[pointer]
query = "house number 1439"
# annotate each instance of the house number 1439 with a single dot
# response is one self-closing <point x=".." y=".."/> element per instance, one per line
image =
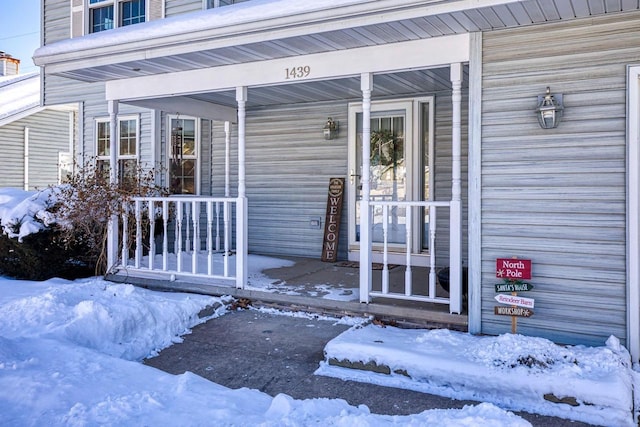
<point x="297" y="72"/>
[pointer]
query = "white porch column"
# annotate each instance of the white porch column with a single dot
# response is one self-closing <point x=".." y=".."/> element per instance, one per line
<point x="26" y="159"/>
<point x="366" y="85"/>
<point x="227" y="157"/>
<point x="112" y="233"/>
<point x="455" y="220"/>
<point x="242" y="241"/>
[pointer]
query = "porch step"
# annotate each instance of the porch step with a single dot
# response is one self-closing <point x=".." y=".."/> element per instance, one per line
<point x="430" y="316"/>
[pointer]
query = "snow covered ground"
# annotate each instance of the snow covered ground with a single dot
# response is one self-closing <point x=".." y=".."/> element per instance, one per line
<point x="70" y="355"/>
<point x="71" y="352"/>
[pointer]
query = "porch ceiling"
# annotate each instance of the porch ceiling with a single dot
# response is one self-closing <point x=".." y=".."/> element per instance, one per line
<point x="401" y="22"/>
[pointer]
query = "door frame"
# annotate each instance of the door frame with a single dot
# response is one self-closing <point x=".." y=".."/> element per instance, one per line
<point x="413" y="154"/>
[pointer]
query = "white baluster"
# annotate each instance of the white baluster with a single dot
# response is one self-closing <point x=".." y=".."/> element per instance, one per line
<point x="195" y="209"/>
<point x="125" y="230"/>
<point x="187" y="242"/>
<point x="432" y="252"/>
<point x="407" y="274"/>
<point x="217" y="226"/>
<point x="165" y="235"/>
<point x="179" y="235"/>
<point x="210" y="235"/>
<point x="138" y="253"/>
<point x="227" y="237"/>
<point x="152" y="233"/>
<point x="385" y="251"/>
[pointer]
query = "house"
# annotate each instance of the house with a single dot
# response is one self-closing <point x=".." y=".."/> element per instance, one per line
<point x="37" y="142"/>
<point x="498" y="129"/>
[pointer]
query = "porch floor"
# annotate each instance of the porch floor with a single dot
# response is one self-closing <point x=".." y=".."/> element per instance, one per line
<point x="308" y="284"/>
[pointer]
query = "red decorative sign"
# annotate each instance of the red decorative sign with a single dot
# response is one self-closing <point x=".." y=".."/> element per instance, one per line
<point x="513" y="269"/>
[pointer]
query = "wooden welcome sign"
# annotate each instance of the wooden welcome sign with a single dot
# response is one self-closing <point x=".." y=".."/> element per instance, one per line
<point x="332" y="220"/>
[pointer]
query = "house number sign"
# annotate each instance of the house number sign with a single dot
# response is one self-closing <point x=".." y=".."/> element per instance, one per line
<point x="297" y="72"/>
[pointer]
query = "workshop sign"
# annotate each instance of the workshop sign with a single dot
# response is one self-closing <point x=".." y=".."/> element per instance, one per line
<point x="332" y="220"/>
<point x="512" y="311"/>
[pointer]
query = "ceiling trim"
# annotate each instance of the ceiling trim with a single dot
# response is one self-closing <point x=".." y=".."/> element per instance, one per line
<point x="414" y="54"/>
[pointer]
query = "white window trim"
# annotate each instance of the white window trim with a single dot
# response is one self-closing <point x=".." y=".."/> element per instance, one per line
<point x="197" y="157"/>
<point x="116" y="12"/>
<point x="98" y="120"/>
<point x="216" y="4"/>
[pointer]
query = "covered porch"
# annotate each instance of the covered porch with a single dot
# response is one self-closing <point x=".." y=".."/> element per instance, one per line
<point x="207" y="238"/>
<point x="407" y="237"/>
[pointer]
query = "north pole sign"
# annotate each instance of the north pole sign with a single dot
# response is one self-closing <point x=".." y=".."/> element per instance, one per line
<point x="513" y="269"/>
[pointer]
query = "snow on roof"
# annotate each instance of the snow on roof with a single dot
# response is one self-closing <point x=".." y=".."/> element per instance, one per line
<point x="221" y="17"/>
<point x="18" y="93"/>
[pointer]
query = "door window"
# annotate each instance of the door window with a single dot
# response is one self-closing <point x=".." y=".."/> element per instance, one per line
<point x="400" y="166"/>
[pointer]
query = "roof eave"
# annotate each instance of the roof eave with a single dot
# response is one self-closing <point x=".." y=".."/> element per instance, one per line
<point x="361" y="14"/>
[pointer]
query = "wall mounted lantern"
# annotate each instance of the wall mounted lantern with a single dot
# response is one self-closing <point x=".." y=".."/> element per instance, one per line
<point x="549" y="110"/>
<point x="330" y="129"/>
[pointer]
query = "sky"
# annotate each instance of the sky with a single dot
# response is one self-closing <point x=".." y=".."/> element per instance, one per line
<point x="20" y="31"/>
<point x="71" y="352"/>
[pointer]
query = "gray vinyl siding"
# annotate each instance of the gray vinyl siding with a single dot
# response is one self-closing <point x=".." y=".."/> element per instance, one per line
<point x="12" y="143"/>
<point x="557" y="196"/>
<point x="57" y="21"/>
<point x="48" y="136"/>
<point x="288" y="167"/>
<point x="57" y="27"/>
<point x="178" y="7"/>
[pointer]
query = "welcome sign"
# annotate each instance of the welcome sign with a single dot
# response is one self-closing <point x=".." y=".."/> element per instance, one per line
<point x="332" y="220"/>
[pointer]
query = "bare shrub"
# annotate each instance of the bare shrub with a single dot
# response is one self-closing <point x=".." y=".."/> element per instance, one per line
<point x="88" y="201"/>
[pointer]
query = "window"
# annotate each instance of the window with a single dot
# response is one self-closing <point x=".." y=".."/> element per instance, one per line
<point x="218" y="3"/>
<point x="127" y="152"/>
<point x="183" y="155"/>
<point x="108" y="14"/>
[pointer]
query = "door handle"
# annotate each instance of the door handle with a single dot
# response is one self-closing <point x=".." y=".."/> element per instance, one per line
<point x="352" y="177"/>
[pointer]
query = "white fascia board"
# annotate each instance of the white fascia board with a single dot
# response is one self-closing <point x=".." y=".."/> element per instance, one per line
<point x="21" y="115"/>
<point x="82" y="53"/>
<point x="189" y="107"/>
<point x="427" y="53"/>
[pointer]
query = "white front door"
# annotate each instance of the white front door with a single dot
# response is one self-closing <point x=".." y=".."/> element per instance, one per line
<point x="400" y="170"/>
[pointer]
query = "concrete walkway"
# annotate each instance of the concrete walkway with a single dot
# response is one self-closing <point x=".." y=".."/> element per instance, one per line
<point x="279" y="354"/>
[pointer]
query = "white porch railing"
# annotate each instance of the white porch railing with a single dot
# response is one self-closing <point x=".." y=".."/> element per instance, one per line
<point x="381" y="216"/>
<point x="181" y="236"/>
